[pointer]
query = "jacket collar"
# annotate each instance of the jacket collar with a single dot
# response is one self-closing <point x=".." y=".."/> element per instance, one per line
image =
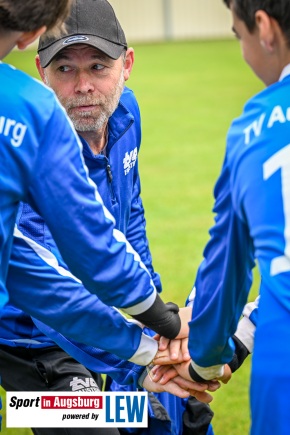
<point x="285" y="72"/>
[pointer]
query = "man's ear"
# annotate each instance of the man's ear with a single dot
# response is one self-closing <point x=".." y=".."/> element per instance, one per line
<point x="26" y="38"/>
<point x="267" y="30"/>
<point x="129" y="61"/>
<point x="39" y="68"/>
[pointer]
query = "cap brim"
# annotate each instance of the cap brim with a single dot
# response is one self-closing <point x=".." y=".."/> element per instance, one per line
<point x="109" y="48"/>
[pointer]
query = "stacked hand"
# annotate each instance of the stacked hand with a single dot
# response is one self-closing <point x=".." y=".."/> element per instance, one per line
<point x="177" y="385"/>
<point x="170" y="371"/>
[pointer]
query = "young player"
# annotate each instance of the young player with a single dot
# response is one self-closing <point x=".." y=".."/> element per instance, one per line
<point x="252" y="223"/>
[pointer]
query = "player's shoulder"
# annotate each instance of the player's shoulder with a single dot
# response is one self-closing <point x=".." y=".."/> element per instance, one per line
<point x="264" y="121"/>
<point x="269" y="97"/>
<point x="33" y="99"/>
<point x="10" y="73"/>
<point x="20" y="85"/>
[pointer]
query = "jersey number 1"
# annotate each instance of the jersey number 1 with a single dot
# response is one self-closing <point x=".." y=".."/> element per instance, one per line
<point x="281" y="160"/>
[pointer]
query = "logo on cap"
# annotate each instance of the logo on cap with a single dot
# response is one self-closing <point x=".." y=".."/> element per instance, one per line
<point x="75" y="38"/>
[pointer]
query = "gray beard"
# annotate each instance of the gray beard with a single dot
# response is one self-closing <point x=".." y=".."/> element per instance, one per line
<point x="89" y="121"/>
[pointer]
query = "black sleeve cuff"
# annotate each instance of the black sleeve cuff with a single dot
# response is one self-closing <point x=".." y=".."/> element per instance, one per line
<point x="240" y="355"/>
<point x="195" y="377"/>
<point x="162" y="318"/>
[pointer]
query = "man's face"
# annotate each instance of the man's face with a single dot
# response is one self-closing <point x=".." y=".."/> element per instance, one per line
<point x="88" y="84"/>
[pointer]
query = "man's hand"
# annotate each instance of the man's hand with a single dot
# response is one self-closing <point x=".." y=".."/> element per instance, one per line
<point x="171" y="351"/>
<point x="227" y="375"/>
<point x="163" y="374"/>
<point x="185" y="314"/>
<point x="185" y="317"/>
<point x="176" y="350"/>
<point x="178" y="386"/>
<point x="183" y="370"/>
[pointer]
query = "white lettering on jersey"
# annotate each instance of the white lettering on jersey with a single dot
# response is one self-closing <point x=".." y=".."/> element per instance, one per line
<point x="256" y="127"/>
<point x="16" y="130"/>
<point x="129" y="160"/>
<point x="277" y="115"/>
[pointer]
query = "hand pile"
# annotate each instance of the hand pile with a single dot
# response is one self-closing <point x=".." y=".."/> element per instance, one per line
<point x="169" y="370"/>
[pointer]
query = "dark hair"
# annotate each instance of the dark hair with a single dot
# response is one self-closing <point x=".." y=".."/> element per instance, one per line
<point x="30" y="15"/>
<point x="277" y="9"/>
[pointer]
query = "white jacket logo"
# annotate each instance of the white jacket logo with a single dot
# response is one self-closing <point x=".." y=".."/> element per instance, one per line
<point x="129" y="160"/>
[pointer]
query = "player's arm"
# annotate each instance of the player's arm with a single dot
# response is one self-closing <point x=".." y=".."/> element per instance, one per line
<point x="124" y="372"/>
<point x="244" y="335"/>
<point x="73" y="210"/>
<point x="222" y="286"/>
<point x="173" y="351"/>
<point x="243" y="339"/>
<point x="41" y="285"/>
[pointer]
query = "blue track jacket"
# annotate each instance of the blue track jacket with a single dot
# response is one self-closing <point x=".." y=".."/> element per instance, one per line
<point x="34" y="250"/>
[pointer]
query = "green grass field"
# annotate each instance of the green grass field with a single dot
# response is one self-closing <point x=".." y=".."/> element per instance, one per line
<point x="188" y="94"/>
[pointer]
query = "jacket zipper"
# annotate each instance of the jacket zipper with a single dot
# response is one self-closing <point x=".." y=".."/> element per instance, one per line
<point x="110" y="179"/>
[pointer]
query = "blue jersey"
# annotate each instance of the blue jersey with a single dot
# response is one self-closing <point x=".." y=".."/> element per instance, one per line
<point x="252" y="222"/>
<point x="41" y="163"/>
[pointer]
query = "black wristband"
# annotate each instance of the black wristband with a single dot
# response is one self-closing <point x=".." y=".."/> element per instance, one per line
<point x="162" y="318"/>
<point x="195" y="376"/>
<point x="240" y="355"/>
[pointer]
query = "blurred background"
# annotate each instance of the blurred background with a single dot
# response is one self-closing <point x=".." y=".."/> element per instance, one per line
<point x="159" y="20"/>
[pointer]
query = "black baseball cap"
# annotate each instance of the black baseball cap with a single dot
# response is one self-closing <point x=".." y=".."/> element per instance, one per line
<point x="91" y="22"/>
